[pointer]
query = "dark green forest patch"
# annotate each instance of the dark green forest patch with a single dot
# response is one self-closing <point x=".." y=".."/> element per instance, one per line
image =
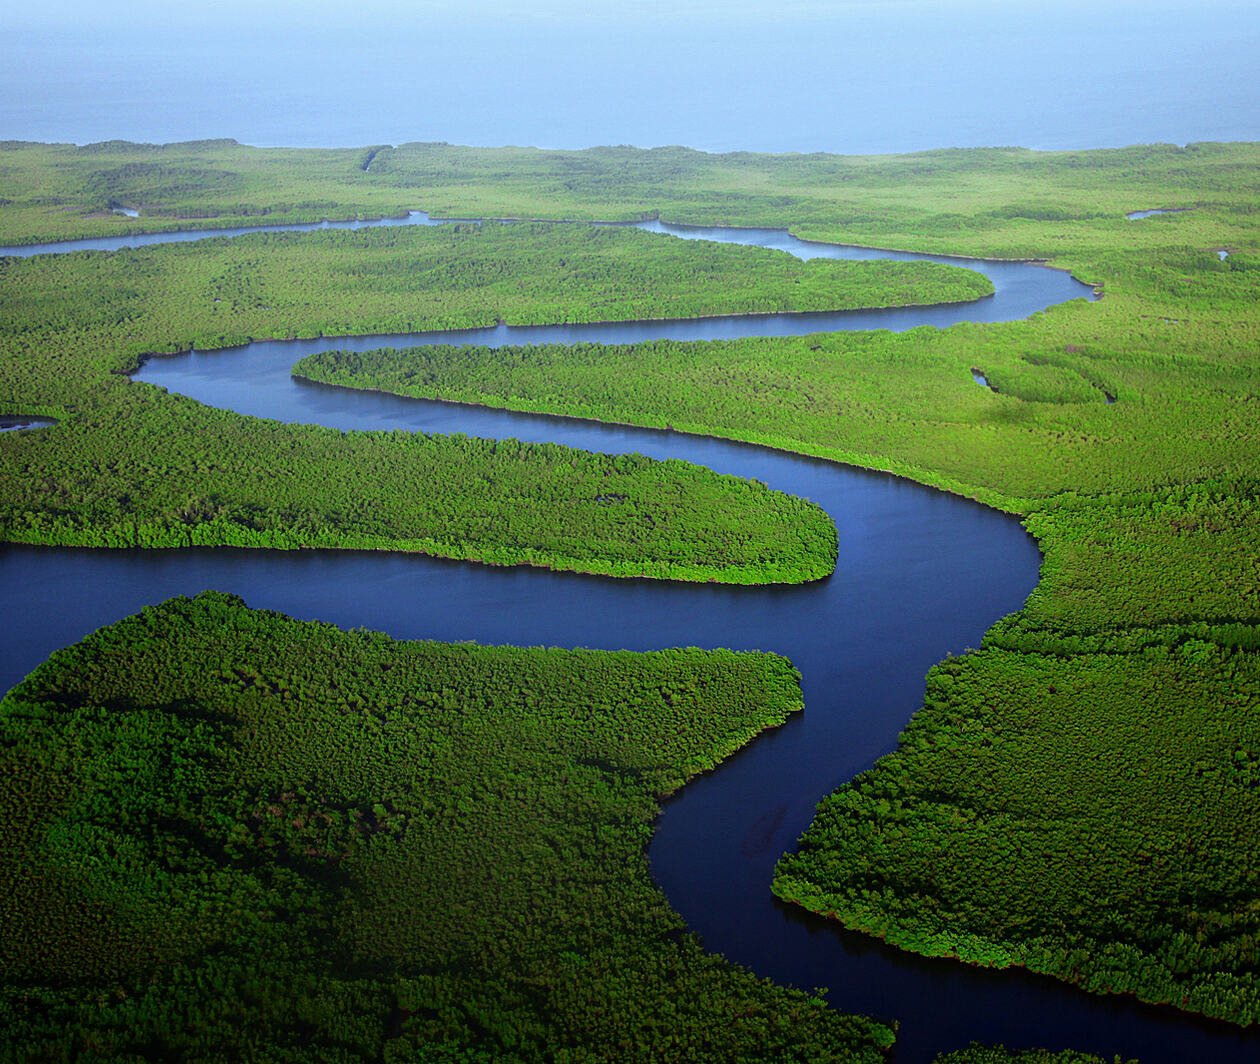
<point x="231" y="834"/>
<point x="1088" y="809"/>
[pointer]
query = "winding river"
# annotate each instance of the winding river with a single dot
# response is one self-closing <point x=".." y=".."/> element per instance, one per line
<point x="921" y="574"/>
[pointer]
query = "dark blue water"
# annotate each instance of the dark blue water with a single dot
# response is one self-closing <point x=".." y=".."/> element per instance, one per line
<point x="859" y="76"/>
<point x="921" y="574"/>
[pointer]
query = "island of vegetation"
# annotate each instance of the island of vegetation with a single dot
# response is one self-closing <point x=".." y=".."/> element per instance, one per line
<point x="231" y="835"/>
<point x="1080" y="795"/>
<point x="129" y="466"/>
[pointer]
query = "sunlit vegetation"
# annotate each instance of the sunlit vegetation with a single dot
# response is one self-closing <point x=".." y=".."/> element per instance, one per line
<point x="182" y="475"/>
<point x="230" y="835"/>
<point x="996" y="200"/>
<point x="906" y="402"/>
<point x="1085" y="807"/>
<point x="63" y="191"/>
<point x="130" y="466"/>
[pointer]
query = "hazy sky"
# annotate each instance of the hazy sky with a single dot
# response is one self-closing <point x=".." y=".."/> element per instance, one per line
<point x="795" y="75"/>
<point x="337" y="12"/>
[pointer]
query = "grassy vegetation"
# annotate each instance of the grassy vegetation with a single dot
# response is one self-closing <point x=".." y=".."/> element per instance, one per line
<point x="955" y="201"/>
<point x="62" y="191"/>
<point x="1077" y="796"/>
<point x="231" y="835"/>
<point x="130" y="466"/>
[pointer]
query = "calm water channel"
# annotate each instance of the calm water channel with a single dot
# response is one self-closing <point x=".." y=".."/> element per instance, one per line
<point x="921" y="574"/>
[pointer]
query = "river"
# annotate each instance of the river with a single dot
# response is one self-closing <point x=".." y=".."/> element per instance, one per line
<point x="921" y="574"/>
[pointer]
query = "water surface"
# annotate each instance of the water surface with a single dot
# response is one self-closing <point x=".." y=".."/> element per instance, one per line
<point x="1137" y="216"/>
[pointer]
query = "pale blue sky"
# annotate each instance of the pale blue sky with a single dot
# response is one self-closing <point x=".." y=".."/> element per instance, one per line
<point x="340" y="14"/>
<point x="795" y="75"/>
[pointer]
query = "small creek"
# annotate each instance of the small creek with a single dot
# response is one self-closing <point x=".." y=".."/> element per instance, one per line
<point x="1137" y="216"/>
<point x="24" y="423"/>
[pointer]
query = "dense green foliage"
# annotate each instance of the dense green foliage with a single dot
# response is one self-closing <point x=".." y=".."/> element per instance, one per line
<point x="504" y="503"/>
<point x="1086" y="807"/>
<point x="215" y="293"/>
<point x="58" y="191"/>
<point x="131" y="466"/>
<point x="906" y="402"/>
<point x="230" y="835"/>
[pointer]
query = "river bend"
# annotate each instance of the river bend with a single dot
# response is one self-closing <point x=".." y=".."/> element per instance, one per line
<point x="921" y="574"/>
